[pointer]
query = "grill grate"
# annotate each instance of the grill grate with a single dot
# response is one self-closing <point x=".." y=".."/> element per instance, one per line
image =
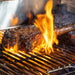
<point x="35" y="63"/>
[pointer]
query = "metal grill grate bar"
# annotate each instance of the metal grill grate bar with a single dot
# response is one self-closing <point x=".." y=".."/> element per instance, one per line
<point x="44" y="60"/>
<point x="7" y="69"/>
<point x="20" y="63"/>
<point x="35" y="63"/>
<point x="21" y="60"/>
<point x="50" y="58"/>
<point x="12" y="66"/>
<point x="3" y="72"/>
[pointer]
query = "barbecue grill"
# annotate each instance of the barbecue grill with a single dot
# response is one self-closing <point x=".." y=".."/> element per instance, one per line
<point x="36" y="64"/>
<point x="62" y="61"/>
<point x="24" y="60"/>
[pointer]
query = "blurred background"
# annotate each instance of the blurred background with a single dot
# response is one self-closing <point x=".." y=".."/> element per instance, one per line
<point x="25" y="11"/>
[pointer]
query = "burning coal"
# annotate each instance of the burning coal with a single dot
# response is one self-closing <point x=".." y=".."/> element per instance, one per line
<point x="45" y="23"/>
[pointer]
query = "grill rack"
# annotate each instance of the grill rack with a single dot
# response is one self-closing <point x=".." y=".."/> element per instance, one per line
<point x="36" y="63"/>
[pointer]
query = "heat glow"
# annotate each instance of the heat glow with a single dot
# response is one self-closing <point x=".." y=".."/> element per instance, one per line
<point x="12" y="49"/>
<point x="45" y="23"/>
<point x="14" y="21"/>
<point x="1" y="35"/>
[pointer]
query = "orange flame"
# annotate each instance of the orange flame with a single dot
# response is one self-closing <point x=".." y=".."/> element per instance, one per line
<point x="14" y="21"/>
<point x="45" y="23"/>
<point x="12" y="49"/>
<point x="1" y="35"/>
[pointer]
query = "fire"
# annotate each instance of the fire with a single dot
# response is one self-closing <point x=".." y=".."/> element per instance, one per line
<point x="45" y="23"/>
<point x="1" y="35"/>
<point x="14" y="21"/>
<point x="13" y="49"/>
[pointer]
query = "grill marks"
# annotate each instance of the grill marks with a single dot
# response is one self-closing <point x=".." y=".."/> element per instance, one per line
<point x="34" y="64"/>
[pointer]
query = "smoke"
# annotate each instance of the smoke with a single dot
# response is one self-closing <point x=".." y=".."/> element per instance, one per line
<point x="20" y="8"/>
<point x="26" y="6"/>
<point x="7" y="11"/>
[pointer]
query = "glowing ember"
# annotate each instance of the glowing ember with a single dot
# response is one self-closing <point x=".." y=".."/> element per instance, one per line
<point x="12" y="49"/>
<point x="45" y="23"/>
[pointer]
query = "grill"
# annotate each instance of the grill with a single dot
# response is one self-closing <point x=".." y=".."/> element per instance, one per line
<point x="36" y="63"/>
<point x="26" y="62"/>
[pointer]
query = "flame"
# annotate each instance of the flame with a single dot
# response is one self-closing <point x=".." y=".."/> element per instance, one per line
<point x="14" y="21"/>
<point x="45" y="23"/>
<point x="13" y="49"/>
<point x="1" y="35"/>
